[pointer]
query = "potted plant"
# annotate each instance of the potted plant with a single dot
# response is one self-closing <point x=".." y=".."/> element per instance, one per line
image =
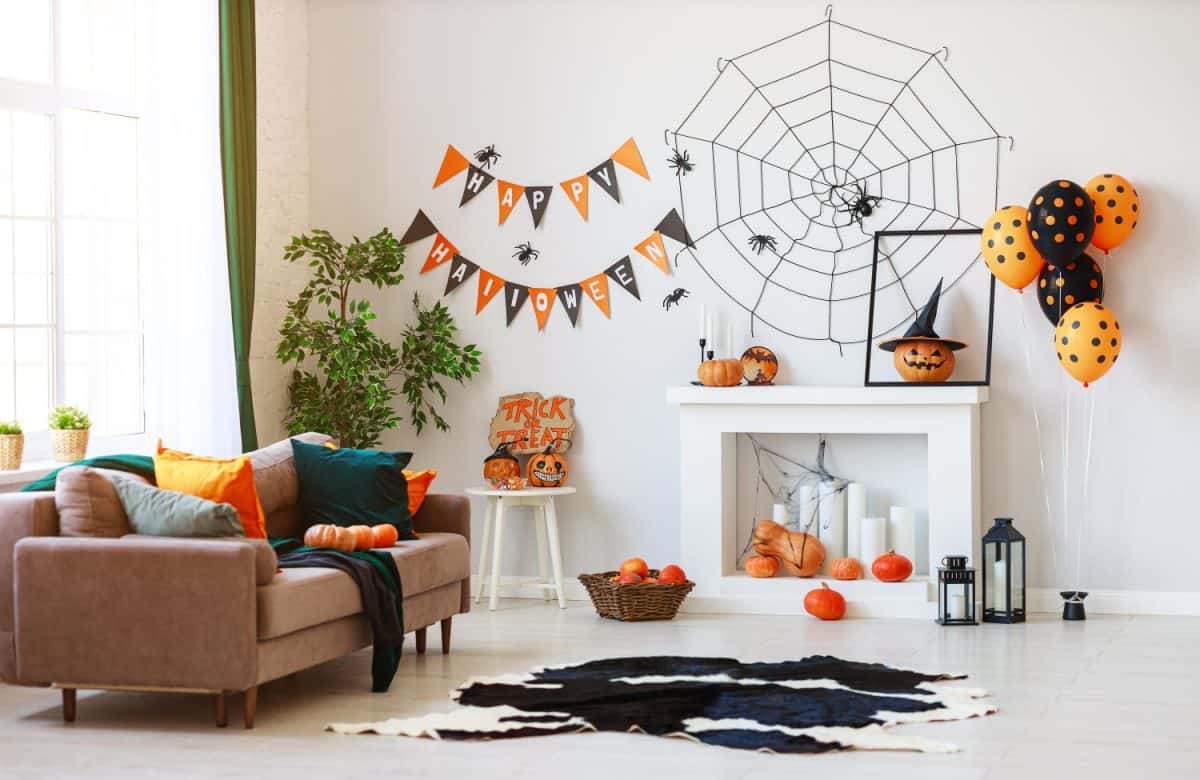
<point x="69" y="427"/>
<point x="12" y="444"/>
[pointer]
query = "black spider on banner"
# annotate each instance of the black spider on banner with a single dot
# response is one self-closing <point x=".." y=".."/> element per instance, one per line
<point x="487" y="156"/>
<point x="525" y="253"/>
<point x="676" y="296"/>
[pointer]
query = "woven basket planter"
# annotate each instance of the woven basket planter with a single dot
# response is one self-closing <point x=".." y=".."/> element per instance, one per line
<point x="12" y="445"/>
<point x="644" y="601"/>
<point x="69" y="446"/>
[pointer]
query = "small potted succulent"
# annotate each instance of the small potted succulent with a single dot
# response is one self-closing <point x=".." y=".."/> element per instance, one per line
<point x="69" y="426"/>
<point x="12" y="445"/>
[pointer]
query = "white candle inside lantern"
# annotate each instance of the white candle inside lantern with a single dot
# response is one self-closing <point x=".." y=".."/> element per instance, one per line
<point x="779" y="513"/>
<point x="958" y="606"/>
<point x="872" y="541"/>
<point x="1000" y="597"/>
<point x="856" y="510"/>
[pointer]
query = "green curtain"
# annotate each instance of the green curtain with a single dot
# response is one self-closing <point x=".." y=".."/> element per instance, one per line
<point x="238" y="173"/>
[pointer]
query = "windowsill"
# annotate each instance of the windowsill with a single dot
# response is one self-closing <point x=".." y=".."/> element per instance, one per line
<point x="29" y="471"/>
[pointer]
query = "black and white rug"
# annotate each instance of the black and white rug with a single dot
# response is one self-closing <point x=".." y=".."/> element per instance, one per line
<point x="813" y="705"/>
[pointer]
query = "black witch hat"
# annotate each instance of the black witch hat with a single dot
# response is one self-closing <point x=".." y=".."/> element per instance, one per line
<point x="922" y="327"/>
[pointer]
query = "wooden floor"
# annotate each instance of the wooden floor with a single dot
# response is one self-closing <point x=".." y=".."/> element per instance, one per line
<point x="1112" y="697"/>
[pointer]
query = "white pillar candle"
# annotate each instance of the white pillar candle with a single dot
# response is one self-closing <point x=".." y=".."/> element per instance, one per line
<point x="806" y="504"/>
<point x="832" y="514"/>
<point x="872" y="542"/>
<point x="1000" y="597"/>
<point x="729" y="339"/>
<point x="958" y="606"/>
<point x="779" y="513"/>
<point x="703" y="321"/>
<point x="902" y="532"/>
<point x="856" y="510"/>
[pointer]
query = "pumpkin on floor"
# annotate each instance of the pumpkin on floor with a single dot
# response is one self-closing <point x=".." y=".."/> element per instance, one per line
<point x="328" y="535"/>
<point x="723" y="372"/>
<point x="800" y="553"/>
<point x="547" y="468"/>
<point x="501" y="464"/>
<point x="825" y="603"/>
<point x="845" y="569"/>
<point x="384" y="535"/>
<point x="892" y="567"/>
<point x="762" y="566"/>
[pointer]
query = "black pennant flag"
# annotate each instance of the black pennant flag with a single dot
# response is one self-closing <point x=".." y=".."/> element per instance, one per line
<point x="515" y="296"/>
<point x="477" y="181"/>
<point x="568" y="296"/>
<point x="672" y="227"/>
<point x="539" y="199"/>
<point x="461" y="269"/>
<point x="621" y="272"/>
<point x="421" y="227"/>
<point x="605" y="175"/>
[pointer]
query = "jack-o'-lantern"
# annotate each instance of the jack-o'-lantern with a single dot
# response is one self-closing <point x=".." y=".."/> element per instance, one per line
<point x="759" y="366"/>
<point x="501" y="464"/>
<point x="920" y="355"/>
<point x="546" y="469"/>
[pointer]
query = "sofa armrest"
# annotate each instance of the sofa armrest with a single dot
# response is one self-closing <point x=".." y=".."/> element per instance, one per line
<point x="159" y="613"/>
<point x="444" y="512"/>
<point x="21" y="515"/>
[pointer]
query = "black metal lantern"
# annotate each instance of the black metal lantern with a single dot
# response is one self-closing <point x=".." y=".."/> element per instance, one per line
<point x="956" y="592"/>
<point x="1003" y="563"/>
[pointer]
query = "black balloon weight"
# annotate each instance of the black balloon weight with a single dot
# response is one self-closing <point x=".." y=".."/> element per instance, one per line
<point x="1062" y="286"/>
<point x="1062" y="219"/>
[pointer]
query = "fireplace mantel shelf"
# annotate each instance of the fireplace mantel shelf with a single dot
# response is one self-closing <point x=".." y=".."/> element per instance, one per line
<point x="808" y="395"/>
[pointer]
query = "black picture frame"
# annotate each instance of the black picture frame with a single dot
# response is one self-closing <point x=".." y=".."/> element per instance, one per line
<point x="991" y="317"/>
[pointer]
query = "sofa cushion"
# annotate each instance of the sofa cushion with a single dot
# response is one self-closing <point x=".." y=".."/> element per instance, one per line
<point x="299" y="598"/>
<point x="87" y="502"/>
<point x="153" y="511"/>
<point x="223" y="480"/>
<point x="275" y="472"/>
<point x="353" y="487"/>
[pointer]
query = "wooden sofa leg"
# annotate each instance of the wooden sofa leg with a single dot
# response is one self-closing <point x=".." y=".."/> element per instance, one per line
<point x="249" y="706"/>
<point x="446" y="636"/>
<point x="68" y="705"/>
<point x="420" y="641"/>
<point x="220" y="709"/>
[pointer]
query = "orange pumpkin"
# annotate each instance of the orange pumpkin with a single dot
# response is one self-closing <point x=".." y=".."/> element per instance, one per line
<point x="845" y="568"/>
<point x="363" y="538"/>
<point x="825" y="603"/>
<point x="547" y="469"/>
<point x="384" y="535"/>
<point x="892" y="567"/>
<point x="501" y="464"/>
<point x="332" y="536"/>
<point x="723" y="372"/>
<point x="800" y="553"/>
<point x="762" y="566"/>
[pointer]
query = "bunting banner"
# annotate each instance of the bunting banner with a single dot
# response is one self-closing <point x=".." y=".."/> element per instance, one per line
<point x="542" y="300"/>
<point x="537" y="197"/>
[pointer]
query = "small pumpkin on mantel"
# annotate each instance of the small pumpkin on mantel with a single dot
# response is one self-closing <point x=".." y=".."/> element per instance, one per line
<point x="722" y="372"/>
<point x="845" y="569"/>
<point x="762" y="566"/>
<point x="892" y="567"/>
<point x="800" y="553"/>
<point x="920" y="355"/>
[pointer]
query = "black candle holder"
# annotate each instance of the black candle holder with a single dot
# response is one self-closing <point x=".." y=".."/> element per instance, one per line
<point x="702" y="343"/>
<point x="1073" y="604"/>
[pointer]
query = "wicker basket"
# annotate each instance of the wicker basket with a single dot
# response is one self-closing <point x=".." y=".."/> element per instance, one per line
<point x="69" y="446"/>
<point x="646" y="601"/>
<point x="12" y="445"/>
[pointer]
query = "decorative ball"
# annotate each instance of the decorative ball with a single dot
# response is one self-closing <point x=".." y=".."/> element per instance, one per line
<point x="1116" y="203"/>
<point x="1061" y="220"/>
<point x="1008" y="249"/>
<point x="759" y="366"/>
<point x="1087" y="341"/>
<point x="1062" y="286"/>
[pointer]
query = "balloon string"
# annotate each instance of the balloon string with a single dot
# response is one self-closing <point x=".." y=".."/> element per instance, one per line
<point x="1087" y="470"/>
<point x="1066" y="467"/>
<point x="1037" y="425"/>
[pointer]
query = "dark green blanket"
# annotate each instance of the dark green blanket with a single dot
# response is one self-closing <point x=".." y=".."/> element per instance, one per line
<point x="378" y="582"/>
<point x="142" y="465"/>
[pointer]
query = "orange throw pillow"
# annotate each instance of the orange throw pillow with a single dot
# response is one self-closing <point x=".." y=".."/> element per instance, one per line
<point x="418" y="486"/>
<point x="228" y="481"/>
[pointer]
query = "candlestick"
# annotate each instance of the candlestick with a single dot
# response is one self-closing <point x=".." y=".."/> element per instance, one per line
<point x="872" y="541"/>
<point x="902" y="532"/>
<point x="856" y="510"/>
<point x="702" y="343"/>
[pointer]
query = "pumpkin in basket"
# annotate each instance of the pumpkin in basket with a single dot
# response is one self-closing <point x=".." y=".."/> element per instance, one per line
<point x="800" y="553"/>
<point x="332" y="536"/>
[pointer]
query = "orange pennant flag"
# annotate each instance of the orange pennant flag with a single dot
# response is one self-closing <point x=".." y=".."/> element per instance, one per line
<point x="653" y="250"/>
<point x="629" y="156"/>
<point x="489" y="285"/>
<point x="542" y="299"/>
<point x="596" y="288"/>
<point x="577" y="191"/>
<point x="452" y="164"/>
<point x="508" y="195"/>
<point x="441" y="251"/>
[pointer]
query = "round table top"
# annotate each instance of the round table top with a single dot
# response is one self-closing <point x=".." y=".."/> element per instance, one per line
<point x="529" y="491"/>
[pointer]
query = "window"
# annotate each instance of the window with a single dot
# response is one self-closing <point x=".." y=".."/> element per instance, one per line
<point x="70" y="228"/>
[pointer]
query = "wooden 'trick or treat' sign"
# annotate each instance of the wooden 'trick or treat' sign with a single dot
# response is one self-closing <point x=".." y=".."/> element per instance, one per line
<point x="529" y="423"/>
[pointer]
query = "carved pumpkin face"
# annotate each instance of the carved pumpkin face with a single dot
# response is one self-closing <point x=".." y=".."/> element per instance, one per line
<point x="546" y="469"/>
<point x="923" y="360"/>
<point x="501" y="464"/>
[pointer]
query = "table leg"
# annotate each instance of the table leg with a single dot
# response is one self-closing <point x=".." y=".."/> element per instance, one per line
<point x="497" y="551"/>
<point x="555" y="551"/>
<point x="539" y="522"/>
<point x="489" y="512"/>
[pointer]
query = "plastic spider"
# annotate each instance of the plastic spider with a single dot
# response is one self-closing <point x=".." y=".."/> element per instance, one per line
<point x="863" y="205"/>
<point x="760" y="242"/>
<point x="674" y="298"/>
<point x="487" y="155"/>
<point x="525" y="252"/>
<point x="680" y="162"/>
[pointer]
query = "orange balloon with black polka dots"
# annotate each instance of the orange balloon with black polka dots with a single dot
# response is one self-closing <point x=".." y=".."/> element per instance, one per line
<point x="1116" y="203"/>
<point x="1087" y="341"/>
<point x="1061" y="221"/>
<point x="1007" y="249"/>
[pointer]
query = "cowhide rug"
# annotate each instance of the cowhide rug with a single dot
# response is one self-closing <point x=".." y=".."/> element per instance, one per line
<point x="813" y="705"/>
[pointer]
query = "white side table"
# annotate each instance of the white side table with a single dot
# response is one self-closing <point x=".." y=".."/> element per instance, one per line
<point x="546" y="522"/>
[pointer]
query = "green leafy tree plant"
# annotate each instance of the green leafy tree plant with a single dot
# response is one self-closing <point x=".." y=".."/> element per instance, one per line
<point x="344" y="375"/>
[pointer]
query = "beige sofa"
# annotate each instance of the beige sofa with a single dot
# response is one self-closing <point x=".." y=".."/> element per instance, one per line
<point x="203" y="616"/>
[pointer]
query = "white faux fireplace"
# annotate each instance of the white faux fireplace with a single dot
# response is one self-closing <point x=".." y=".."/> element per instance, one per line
<point x="710" y="419"/>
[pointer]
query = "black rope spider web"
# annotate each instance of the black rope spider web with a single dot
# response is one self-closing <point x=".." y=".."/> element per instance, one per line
<point x="791" y="136"/>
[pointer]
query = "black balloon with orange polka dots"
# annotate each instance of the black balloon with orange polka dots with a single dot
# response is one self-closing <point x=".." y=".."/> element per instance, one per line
<point x="1061" y="221"/>
<point x="1059" y="287"/>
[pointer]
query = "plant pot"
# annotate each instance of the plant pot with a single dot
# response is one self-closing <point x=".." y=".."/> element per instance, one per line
<point x="12" y="445"/>
<point x="70" y="445"/>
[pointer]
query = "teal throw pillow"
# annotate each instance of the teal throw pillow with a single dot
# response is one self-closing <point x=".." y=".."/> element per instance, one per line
<point x="157" y="512"/>
<point x="353" y="487"/>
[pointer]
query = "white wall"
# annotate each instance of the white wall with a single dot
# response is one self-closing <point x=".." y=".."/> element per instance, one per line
<point x="1083" y="86"/>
